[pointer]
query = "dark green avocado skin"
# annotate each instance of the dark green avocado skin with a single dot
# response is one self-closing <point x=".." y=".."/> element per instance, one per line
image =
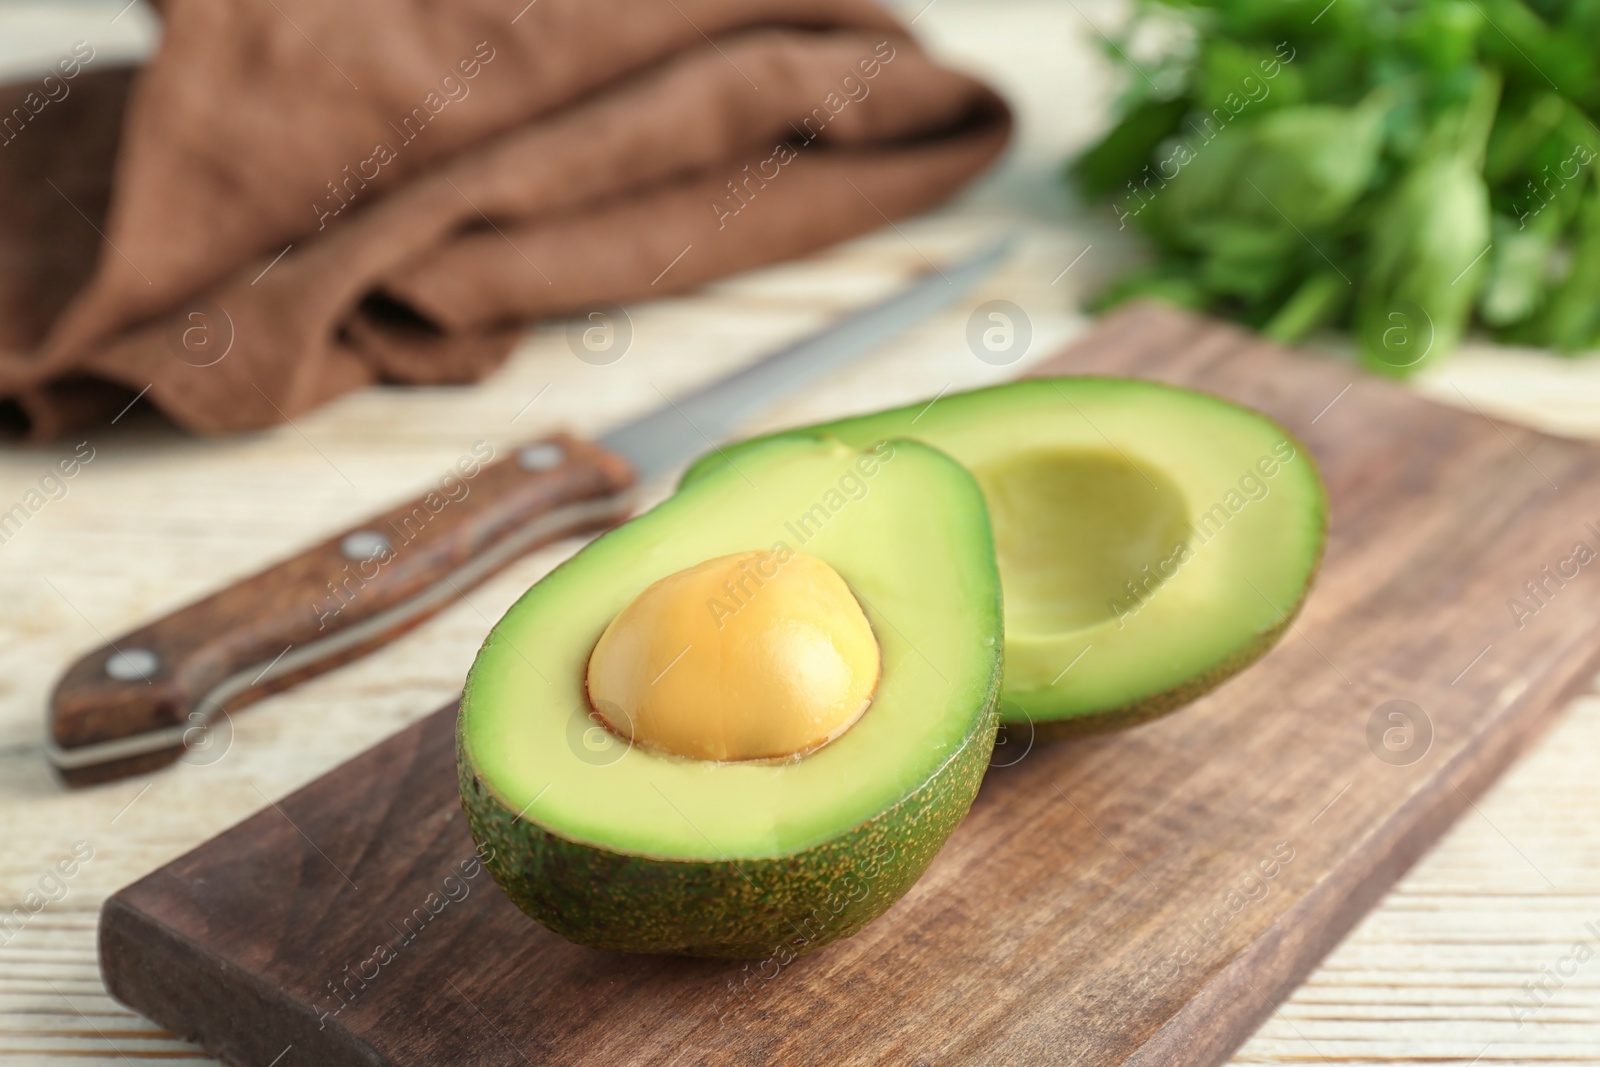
<point x="744" y="909"/>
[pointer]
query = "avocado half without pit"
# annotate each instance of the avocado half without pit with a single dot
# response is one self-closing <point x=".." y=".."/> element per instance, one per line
<point x="743" y="723"/>
<point x="1152" y="540"/>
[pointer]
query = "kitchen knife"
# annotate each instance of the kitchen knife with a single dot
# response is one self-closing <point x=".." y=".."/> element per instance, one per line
<point x="142" y="700"/>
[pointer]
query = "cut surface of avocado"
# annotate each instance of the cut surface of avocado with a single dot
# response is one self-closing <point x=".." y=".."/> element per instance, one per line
<point x="620" y="846"/>
<point x="1152" y="540"/>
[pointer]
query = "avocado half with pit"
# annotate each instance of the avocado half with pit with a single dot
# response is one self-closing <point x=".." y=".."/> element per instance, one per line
<point x="1152" y="540"/>
<point x="743" y="723"/>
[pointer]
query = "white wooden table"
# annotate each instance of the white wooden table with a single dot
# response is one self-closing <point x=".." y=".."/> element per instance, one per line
<point x="158" y="518"/>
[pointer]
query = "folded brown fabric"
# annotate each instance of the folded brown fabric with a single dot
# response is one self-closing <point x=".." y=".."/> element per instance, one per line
<point x="294" y="198"/>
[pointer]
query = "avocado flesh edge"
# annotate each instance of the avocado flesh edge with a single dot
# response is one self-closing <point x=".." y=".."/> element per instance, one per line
<point x="709" y="890"/>
<point x="1188" y="635"/>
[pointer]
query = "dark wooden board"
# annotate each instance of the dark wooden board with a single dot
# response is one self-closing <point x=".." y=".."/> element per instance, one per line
<point x="1144" y="898"/>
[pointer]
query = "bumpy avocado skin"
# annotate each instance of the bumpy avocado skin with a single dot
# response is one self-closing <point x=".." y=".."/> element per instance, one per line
<point x="749" y="909"/>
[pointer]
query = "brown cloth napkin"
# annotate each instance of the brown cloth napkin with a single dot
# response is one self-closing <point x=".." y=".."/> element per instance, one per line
<point x="297" y="198"/>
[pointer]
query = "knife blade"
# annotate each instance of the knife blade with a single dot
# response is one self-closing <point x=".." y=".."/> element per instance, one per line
<point x="141" y="701"/>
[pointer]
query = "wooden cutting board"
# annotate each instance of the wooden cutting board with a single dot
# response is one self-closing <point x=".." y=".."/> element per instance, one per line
<point x="1145" y="898"/>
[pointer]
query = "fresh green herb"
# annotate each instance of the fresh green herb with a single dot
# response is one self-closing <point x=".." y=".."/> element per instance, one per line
<point x="1405" y="169"/>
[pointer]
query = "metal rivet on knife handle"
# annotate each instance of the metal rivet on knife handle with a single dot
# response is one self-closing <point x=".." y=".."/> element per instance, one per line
<point x="133" y="665"/>
<point x="544" y="456"/>
<point x="363" y="545"/>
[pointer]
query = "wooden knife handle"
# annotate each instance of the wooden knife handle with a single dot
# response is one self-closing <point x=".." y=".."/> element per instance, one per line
<point x="327" y="605"/>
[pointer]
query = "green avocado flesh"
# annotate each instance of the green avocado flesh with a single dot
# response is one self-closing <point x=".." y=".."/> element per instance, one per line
<point x="1152" y="540"/>
<point x="616" y="847"/>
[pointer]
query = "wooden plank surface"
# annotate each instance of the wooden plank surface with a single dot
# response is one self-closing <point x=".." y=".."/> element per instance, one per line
<point x="159" y="519"/>
<point x="1145" y="898"/>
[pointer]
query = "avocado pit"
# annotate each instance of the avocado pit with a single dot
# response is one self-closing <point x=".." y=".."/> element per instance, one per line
<point x="749" y="656"/>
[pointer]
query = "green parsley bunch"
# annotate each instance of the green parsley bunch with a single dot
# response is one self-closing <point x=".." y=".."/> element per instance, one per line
<point x="1406" y="169"/>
